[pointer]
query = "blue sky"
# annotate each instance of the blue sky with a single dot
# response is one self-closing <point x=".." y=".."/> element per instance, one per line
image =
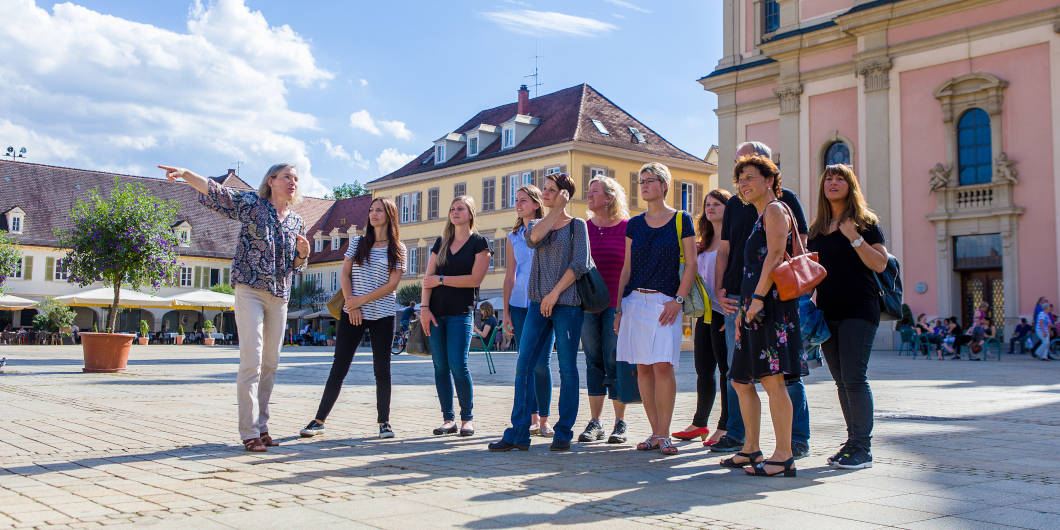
<point x="346" y="90"/>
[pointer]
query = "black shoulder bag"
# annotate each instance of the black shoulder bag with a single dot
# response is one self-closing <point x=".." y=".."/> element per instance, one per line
<point x="591" y="287"/>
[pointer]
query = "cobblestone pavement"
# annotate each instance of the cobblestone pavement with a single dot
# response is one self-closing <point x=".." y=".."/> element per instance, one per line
<point x="958" y="444"/>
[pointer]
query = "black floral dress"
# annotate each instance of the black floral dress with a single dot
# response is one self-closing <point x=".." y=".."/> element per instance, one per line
<point x="773" y="345"/>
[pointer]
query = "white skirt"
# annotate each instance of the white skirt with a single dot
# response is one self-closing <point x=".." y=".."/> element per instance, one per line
<point x="641" y="339"/>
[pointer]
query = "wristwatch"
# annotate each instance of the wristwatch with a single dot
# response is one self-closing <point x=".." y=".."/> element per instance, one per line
<point x="857" y="242"/>
<point x="757" y="296"/>
<point x="441" y="279"/>
<point x="679" y="299"/>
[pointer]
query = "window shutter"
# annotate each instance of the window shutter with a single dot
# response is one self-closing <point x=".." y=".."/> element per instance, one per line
<point x="611" y="173"/>
<point x="505" y="180"/>
<point x="227" y="275"/>
<point x="49" y="269"/>
<point x="699" y="197"/>
<point x="634" y="191"/>
<point x="27" y="268"/>
<point x="538" y="178"/>
<point x="586" y="175"/>
<point x="198" y="277"/>
<point x="500" y="247"/>
<point x="419" y="205"/>
<point x="421" y="260"/>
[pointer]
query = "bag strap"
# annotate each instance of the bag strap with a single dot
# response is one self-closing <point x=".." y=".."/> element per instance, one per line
<point x="793" y="228"/>
<point x="679" y="245"/>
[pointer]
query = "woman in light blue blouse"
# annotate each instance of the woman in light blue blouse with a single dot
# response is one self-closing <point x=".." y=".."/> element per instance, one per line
<point x="519" y="257"/>
<point x="271" y="248"/>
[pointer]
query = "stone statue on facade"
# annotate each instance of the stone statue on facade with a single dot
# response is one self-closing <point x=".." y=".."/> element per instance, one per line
<point x="1005" y="170"/>
<point x="940" y="176"/>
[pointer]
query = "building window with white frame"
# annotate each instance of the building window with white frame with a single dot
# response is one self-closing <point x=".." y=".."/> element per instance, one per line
<point x="186" y="275"/>
<point x="551" y="170"/>
<point x="62" y="269"/>
<point x="319" y="245"/>
<point x="439" y="154"/>
<point x="508" y="137"/>
<point x="335" y="241"/>
<point x="409" y="206"/>
<point x="16" y="224"/>
<point x="472" y="145"/>
<point x="334" y="281"/>
<point x="17" y="273"/>
<point x="413" y="260"/>
<point x="688" y="196"/>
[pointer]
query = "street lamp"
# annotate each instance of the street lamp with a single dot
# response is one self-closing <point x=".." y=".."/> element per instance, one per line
<point x="11" y="153"/>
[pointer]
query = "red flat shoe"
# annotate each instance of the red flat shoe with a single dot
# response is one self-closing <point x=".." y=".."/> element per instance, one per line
<point x="709" y="443"/>
<point x="688" y="435"/>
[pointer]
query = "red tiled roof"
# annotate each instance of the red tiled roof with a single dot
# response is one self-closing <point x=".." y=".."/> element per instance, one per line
<point x="565" y="115"/>
<point x="345" y="212"/>
<point x="47" y="193"/>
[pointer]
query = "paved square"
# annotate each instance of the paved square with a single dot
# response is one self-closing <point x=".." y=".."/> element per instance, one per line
<point x="957" y="445"/>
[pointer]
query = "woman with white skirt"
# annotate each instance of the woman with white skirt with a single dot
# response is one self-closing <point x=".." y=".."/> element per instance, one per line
<point x="648" y="319"/>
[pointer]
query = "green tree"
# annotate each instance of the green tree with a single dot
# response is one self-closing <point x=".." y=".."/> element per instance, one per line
<point x="409" y="293"/>
<point x="52" y="315"/>
<point x="345" y="191"/>
<point x="307" y="295"/>
<point x="9" y="258"/>
<point x="123" y="239"/>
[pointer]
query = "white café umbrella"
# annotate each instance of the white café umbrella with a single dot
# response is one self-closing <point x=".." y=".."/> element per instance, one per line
<point x="104" y="297"/>
<point x="14" y="303"/>
<point x="201" y="299"/>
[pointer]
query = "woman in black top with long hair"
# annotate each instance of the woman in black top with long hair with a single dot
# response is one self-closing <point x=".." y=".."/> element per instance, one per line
<point x="847" y="238"/>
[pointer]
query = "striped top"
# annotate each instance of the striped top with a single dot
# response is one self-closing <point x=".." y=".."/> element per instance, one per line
<point x="372" y="275"/>
<point x="562" y="249"/>
<point x="524" y="258"/>
<point x="608" y="247"/>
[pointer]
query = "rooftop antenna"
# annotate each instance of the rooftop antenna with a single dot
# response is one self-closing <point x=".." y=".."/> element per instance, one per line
<point x="238" y="164"/>
<point x="535" y="75"/>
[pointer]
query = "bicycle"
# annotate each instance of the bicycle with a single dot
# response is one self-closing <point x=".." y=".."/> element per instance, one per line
<point x="401" y="341"/>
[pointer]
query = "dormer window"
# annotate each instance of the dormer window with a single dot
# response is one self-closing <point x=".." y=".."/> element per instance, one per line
<point x="319" y="246"/>
<point x="509" y="137"/>
<point x="439" y="154"/>
<point x="600" y="127"/>
<point x="472" y="145"/>
<point x="335" y="243"/>
<point x="183" y="232"/>
<point x="16" y="220"/>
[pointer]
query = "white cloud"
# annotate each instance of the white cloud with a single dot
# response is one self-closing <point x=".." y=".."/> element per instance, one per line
<point x="359" y="160"/>
<point x="97" y="91"/>
<point x="397" y="129"/>
<point x="531" y="22"/>
<point x="628" y="5"/>
<point x="391" y="159"/>
<point x="364" y="82"/>
<point x="362" y="120"/>
<point x="336" y="151"/>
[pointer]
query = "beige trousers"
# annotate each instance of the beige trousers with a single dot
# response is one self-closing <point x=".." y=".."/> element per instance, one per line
<point x="261" y="319"/>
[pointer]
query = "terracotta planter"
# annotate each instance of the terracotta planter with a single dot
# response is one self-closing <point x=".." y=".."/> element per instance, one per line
<point x="106" y="352"/>
<point x="330" y="342"/>
<point x="142" y="341"/>
<point x="208" y="341"/>
<point x="179" y="339"/>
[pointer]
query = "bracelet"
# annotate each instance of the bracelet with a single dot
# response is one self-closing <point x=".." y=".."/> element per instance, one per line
<point x="757" y="296"/>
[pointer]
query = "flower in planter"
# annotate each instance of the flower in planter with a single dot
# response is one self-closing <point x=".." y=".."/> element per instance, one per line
<point x="123" y="239"/>
<point x="10" y="259"/>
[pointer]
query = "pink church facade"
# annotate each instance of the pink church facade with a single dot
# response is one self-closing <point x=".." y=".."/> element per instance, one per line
<point x="949" y="112"/>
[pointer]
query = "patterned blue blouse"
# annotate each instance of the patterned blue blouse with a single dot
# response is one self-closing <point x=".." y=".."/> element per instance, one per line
<point x="266" y="250"/>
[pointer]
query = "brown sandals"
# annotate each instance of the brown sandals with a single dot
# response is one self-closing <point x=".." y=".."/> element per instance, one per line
<point x="254" y="445"/>
<point x="267" y="440"/>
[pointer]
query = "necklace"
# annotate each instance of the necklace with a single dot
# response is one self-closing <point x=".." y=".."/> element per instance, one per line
<point x="665" y="213"/>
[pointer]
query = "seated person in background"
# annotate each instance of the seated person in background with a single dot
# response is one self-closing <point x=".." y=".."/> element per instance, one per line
<point x="489" y="322"/>
<point x="926" y="334"/>
<point x="955" y="337"/>
<point x="981" y="332"/>
<point x="1019" y="336"/>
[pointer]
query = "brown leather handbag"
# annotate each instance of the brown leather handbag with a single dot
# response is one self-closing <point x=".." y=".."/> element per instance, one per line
<point x="798" y="274"/>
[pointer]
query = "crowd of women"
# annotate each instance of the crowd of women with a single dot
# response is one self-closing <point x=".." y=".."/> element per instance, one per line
<point x="748" y="335"/>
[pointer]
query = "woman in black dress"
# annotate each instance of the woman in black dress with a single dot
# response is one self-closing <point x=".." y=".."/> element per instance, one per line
<point x="768" y="342"/>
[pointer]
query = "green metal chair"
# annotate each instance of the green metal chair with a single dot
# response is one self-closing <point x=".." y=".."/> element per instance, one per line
<point x="909" y="339"/>
<point x="996" y="342"/>
<point x="487" y="348"/>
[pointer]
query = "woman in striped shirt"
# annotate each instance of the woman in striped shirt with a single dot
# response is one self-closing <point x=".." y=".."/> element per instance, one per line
<point x="371" y="271"/>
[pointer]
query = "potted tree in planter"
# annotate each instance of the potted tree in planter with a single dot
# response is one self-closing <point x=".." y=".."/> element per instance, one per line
<point x="180" y="335"/>
<point x="122" y="239"/>
<point x="144" y="333"/>
<point x="207" y="330"/>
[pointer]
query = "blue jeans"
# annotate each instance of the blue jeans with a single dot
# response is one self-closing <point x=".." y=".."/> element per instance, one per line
<point x="566" y="322"/>
<point x="450" y="341"/>
<point x="800" y="419"/>
<point x="600" y="344"/>
<point x="541" y="378"/>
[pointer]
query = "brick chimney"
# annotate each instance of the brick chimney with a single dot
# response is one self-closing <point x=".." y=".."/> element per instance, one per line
<point x="232" y="173"/>
<point x="524" y="101"/>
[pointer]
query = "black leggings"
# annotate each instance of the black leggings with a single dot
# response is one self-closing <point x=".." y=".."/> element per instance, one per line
<point x="381" y="332"/>
<point x="710" y="353"/>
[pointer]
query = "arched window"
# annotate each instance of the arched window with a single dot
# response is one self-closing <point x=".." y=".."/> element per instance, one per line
<point x="771" y="18"/>
<point x="837" y="153"/>
<point x="973" y="147"/>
